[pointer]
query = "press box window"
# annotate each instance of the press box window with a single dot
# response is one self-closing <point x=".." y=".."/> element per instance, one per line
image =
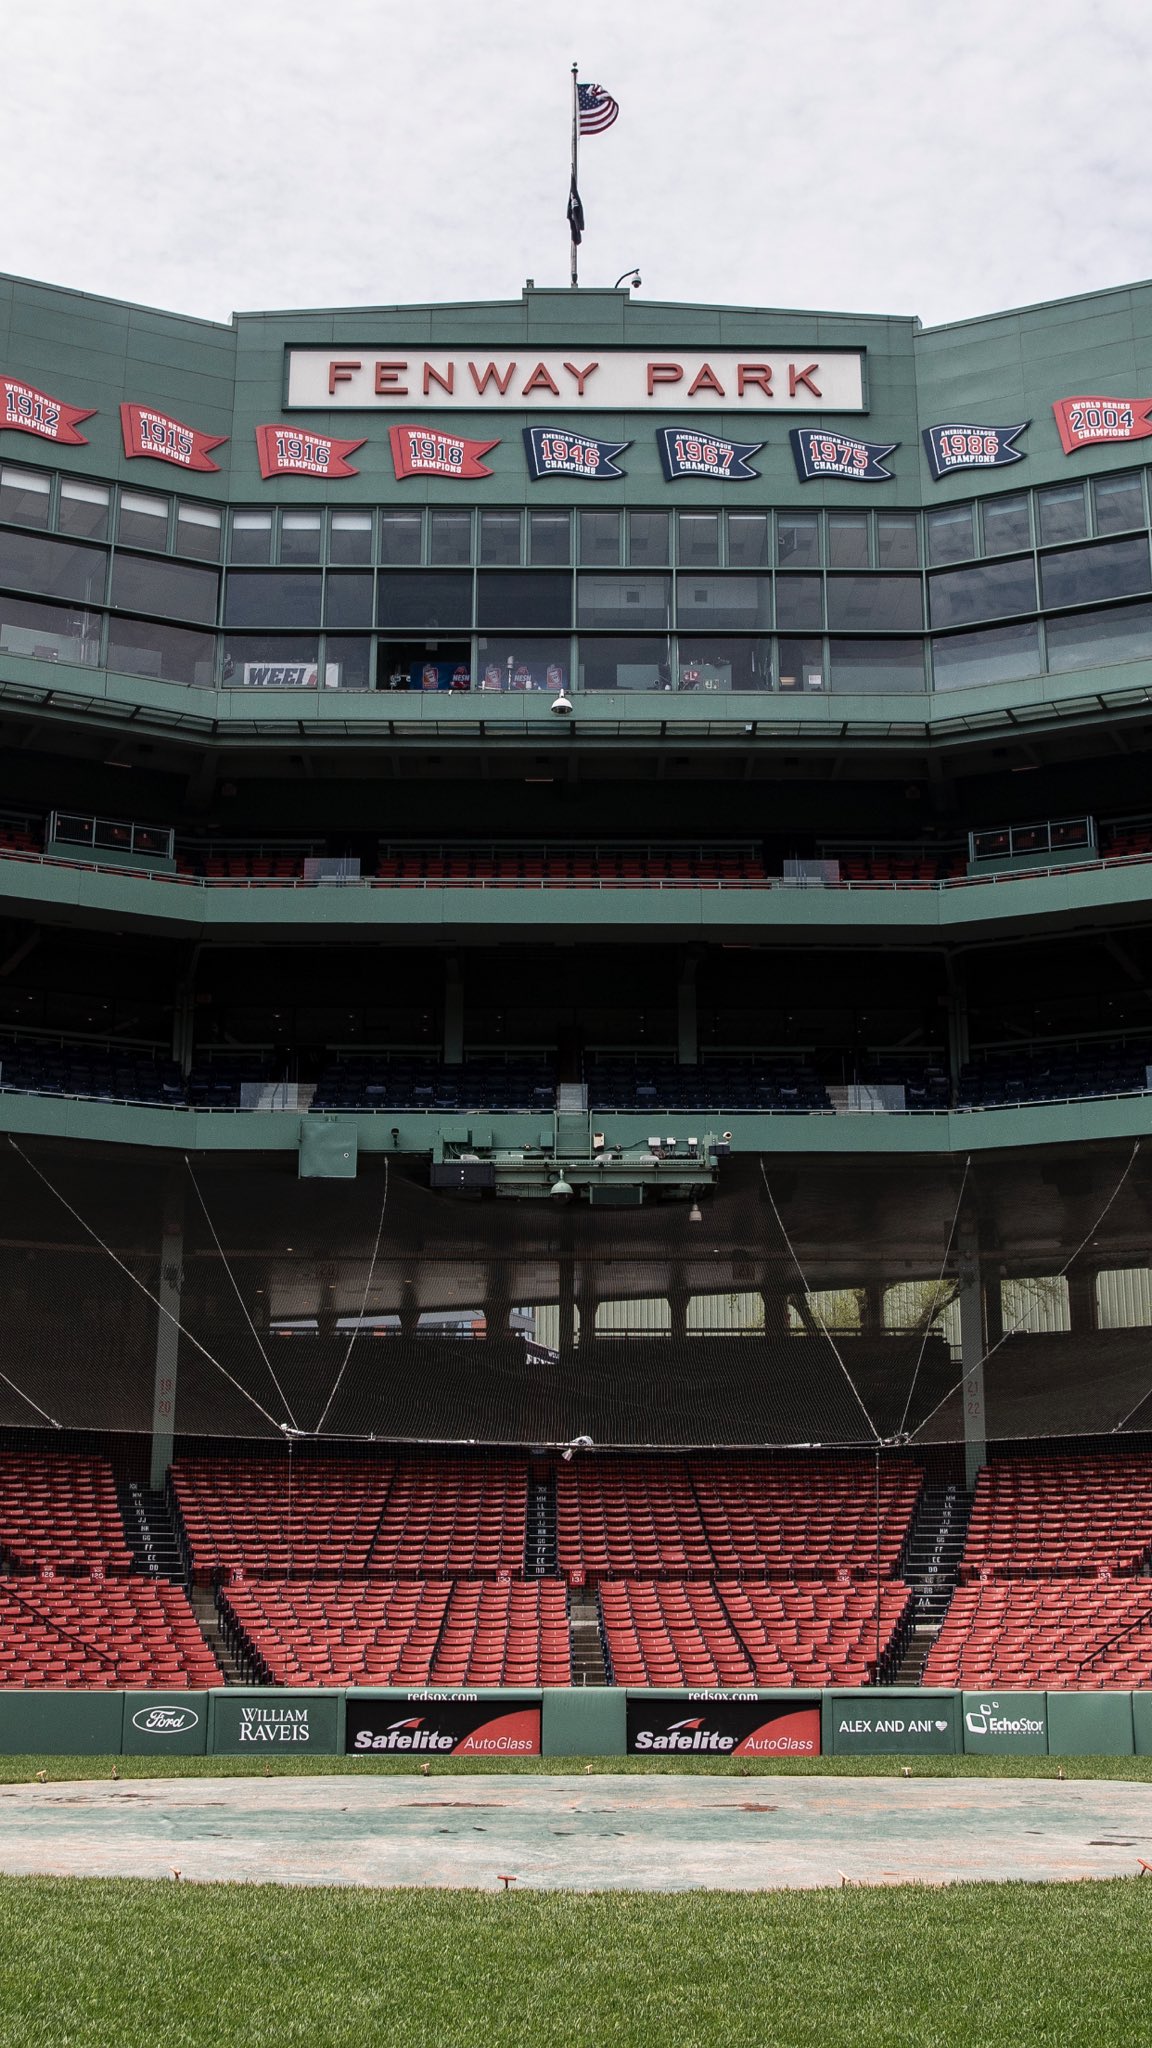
<point x="1063" y="515"/>
<point x="143" y="521"/>
<point x="300" y="537"/>
<point x="54" y="568"/>
<point x="83" y="509"/>
<point x="251" y="537"/>
<point x="350" y="538"/>
<point x="648" y="539"/>
<point x="798" y="605"/>
<point x="399" y="537"/>
<point x="951" y="535"/>
<point x="797" y="542"/>
<point x="1114" y="568"/>
<point x="599" y="540"/>
<point x="801" y="665"/>
<point x="549" y="539"/>
<point x="897" y="540"/>
<point x="698" y="540"/>
<point x="500" y="539"/>
<point x="1118" y="503"/>
<point x="174" y="589"/>
<point x="847" y="540"/>
<point x="272" y="599"/>
<point x="198" y="532"/>
<point x="25" y="496"/>
<point x="634" y="603"/>
<point x="748" y="540"/>
<point x="1006" y="525"/>
<point x="450" y="537"/>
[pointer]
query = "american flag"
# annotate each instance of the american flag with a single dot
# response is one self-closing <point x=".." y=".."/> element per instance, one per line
<point x="597" y="109"/>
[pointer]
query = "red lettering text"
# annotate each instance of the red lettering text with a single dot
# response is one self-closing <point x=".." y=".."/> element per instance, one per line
<point x="581" y="376"/>
<point x="797" y="377"/>
<point x="492" y="376"/>
<point x="541" y="380"/>
<point x="663" y="373"/>
<point x="446" y="381"/>
<point x="705" y="380"/>
<point x="388" y="383"/>
<point x="759" y="374"/>
<point x="340" y="373"/>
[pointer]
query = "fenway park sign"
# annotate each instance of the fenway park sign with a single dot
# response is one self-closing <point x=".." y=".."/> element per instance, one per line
<point x="580" y="380"/>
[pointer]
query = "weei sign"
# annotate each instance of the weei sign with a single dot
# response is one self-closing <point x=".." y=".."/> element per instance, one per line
<point x="723" y="1724"/>
<point x="442" y="1724"/>
<point x="615" y="380"/>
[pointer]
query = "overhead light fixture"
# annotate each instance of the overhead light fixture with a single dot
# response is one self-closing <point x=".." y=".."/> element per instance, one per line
<point x="695" y="1213"/>
<point x="561" y="1190"/>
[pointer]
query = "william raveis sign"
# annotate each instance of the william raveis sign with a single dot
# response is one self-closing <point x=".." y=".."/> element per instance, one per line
<point x="614" y="380"/>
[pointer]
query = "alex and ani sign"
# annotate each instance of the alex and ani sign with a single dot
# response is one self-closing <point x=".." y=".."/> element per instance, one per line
<point x="614" y="380"/>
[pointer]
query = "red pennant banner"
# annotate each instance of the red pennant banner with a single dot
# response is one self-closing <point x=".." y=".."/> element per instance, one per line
<point x="1082" y="422"/>
<point x="426" y="451"/>
<point x="28" y="411"/>
<point x="290" y="451"/>
<point x="166" y="440"/>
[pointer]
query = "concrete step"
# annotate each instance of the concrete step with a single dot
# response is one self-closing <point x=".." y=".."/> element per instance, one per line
<point x="207" y="1615"/>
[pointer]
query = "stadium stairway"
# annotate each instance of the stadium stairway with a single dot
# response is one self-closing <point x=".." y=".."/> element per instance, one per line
<point x="151" y="1533"/>
<point x="586" y="1632"/>
<point x="540" y="1523"/>
<point x="931" y="1568"/>
<point x="236" y="1668"/>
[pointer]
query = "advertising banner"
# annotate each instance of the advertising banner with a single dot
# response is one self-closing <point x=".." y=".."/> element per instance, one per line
<point x="28" y="411"/>
<point x="685" y="451"/>
<point x="289" y="451"/>
<point x="159" y="1723"/>
<point x="966" y="447"/>
<point x="289" y="675"/>
<point x="167" y="440"/>
<point x="1005" y="1723"/>
<point x="615" y="380"/>
<point x="552" y="452"/>
<point x="426" y="451"/>
<point x="452" y="1724"/>
<point x="879" y="1723"/>
<point x="1082" y="422"/>
<point x="516" y="674"/>
<point x="250" y="1722"/>
<point x="723" y="1724"/>
<point x="817" y="454"/>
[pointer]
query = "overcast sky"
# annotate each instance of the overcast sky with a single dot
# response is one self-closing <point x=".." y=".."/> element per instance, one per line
<point x="940" y="157"/>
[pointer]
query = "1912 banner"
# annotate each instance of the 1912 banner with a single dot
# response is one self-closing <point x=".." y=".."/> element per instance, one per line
<point x="28" y="411"/>
<point x="685" y="451"/>
<point x="429" y="451"/>
<point x="167" y="440"/>
<point x="957" y="446"/>
<point x="818" y="453"/>
<point x="292" y="451"/>
<point x="1082" y="422"/>
<point x="552" y="451"/>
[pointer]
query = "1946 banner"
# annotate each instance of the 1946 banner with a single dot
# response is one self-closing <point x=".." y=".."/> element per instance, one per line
<point x="428" y="451"/>
<point x="957" y="446"/>
<point x="28" y="411"/>
<point x="167" y="440"/>
<point x="551" y="451"/>
<point x="685" y="451"/>
<point x="291" y="451"/>
<point x="821" y="454"/>
<point x="1081" y="422"/>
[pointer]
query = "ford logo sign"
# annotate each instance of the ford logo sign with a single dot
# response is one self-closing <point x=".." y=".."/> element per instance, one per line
<point x="165" y="1720"/>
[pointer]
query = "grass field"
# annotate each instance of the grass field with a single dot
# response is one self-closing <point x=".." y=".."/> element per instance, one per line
<point x="15" y="1770"/>
<point x="125" y="1964"/>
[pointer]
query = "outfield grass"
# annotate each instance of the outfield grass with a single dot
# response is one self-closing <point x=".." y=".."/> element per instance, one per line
<point x="87" y="1963"/>
<point x="16" y="1770"/>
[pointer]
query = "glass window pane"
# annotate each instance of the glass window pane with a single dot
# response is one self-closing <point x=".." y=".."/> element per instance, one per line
<point x="1062" y="513"/>
<point x="55" y="568"/>
<point x="84" y="508"/>
<point x="961" y="596"/>
<point x="798" y="603"/>
<point x="1006" y="524"/>
<point x="1118" y="502"/>
<point x="951" y="537"/>
<point x="847" y="540"/>
<point x="549" y="539"/>
<point x="25" y="496"/>
<point x="400" y="537"/>
<point x="143" y="521"/>
<point x="430" y="601"/>
<point x="172" y="654"/>
<point x="500" y="538"/>
<point x="897" y="540"/>
<point x="630" y="664"/>
<point x="348" y="598"/>
<point x="533" y="597"/>
<point x="600" y="539"/>
<point x="1097" y="639"/>
<point x="450" y="537"/>
<point x="713" y="664"/>
<point x="419" y="666"/>
<point x="251" y="539"/>
<point x="42" y="632"/>
<point x="347" y="663"/>
<point x="882" y="668"/>
<point x="509" y="662"/>
<point x="742" y="602"/>
<point x="271" y="661"/>
<point x="798" y="540"/>
<point x="198" y="531"/>
<point x="1000" y="654"/>
<point x="748" y="540"/>
<point x="268" y="598"/>
<point x="875" y="603"/>
<point x="174" y="589"/>
<point x="801" y="665"/>
<point x="649" y="537"/>
<point x="628" y="601"/>
<point x="350" y="537"/>
<point x="698" y="539"/>
<point x="300" y="537"/>
<point x="1113" y="568"/>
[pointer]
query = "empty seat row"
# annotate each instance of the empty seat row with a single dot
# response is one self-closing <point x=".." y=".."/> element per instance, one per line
<point x="416" y="1632"/>
<point x="93" y="1633"/>
<point x="735" y="1633"/>
<point x="1045" y="1632"/>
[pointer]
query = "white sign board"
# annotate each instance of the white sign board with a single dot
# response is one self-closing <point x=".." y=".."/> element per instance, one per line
<point x="755" y="381"/>
<point x="289" y="675"/>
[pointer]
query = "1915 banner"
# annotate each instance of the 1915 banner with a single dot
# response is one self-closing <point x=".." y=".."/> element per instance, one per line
<point x="167" y="440"/>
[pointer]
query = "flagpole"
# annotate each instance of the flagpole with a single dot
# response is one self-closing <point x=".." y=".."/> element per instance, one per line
<point x="574" y="187"/>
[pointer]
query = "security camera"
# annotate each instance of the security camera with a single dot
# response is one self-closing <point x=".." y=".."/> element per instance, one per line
<point x="560" y="1190"/>
<point x="562" y="704"/>
<point x="727" y="1137"/>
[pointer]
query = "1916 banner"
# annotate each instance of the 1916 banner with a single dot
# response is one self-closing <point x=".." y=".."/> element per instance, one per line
<point x="429" y="451"/>
<point x="685" y="451"/>
<point x="552" y="451"/>
<point x="28" y="411"/>
<point x="1082" y="422"/>
<point x="291" y="451"/>
<point x="167" y="440"/>
<point x="818" y="453"/>
<point x="957" y="446"/>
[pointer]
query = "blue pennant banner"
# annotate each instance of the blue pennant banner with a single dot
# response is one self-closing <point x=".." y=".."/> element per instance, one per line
<point x="819" y="453"/>
<point x="552" y="452"/>
<point x="967" y="447"/>
<point x="685" y="451"/>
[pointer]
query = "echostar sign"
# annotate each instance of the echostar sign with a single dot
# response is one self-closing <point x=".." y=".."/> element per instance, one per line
<point x="581" y="380"/>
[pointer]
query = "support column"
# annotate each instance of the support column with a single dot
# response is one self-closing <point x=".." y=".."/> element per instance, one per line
<point x="687" y="1032"/>
<point x="678" y="1299"/>
<point x="453" y="1013"/>
<point x="957" y="1019"/>
<point x="1082" y="1302"/>
<point x="170" y="1294"/>
<point x="566" y="1315"/>
<point x="972" y="1349"/>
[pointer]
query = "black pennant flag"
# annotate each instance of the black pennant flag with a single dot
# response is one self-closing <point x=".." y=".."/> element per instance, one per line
<point x="575" y="213"/>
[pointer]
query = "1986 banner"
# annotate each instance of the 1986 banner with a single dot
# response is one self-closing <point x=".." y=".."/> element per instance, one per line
<point x="956" y="446"/>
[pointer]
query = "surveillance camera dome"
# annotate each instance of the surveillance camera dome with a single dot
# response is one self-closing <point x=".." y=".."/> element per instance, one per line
<point x="562" y="704"/>
<point x="560" y="1190"/>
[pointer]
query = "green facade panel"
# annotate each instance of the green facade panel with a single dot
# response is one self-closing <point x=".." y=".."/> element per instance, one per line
<point x="59" y="1723"/>
<point x="275" y="1721"/>
<point x="1090" y="1724"/>
<point x="584" y="1720"/>
<point x="883" y="1721"/>
<point x="165" y="1724"/>
<point x="999" y="1723"/>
